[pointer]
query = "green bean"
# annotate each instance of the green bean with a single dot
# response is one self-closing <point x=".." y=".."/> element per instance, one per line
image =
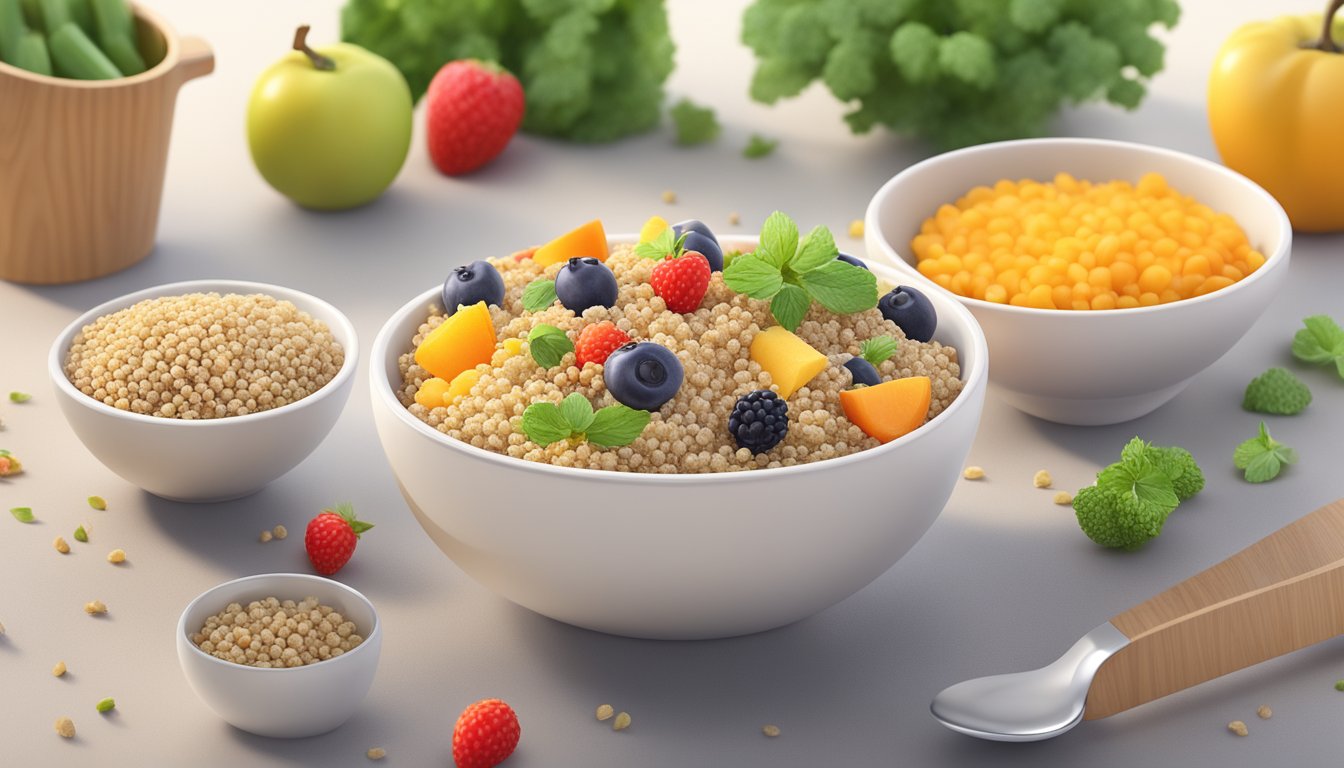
<point x="76" y="56"/>
<point x="12" y="29"/>
<point x="32" y="54"/>
<point x="80" y="12"/>
<point x="54" y="14"/>
<point x="116" y="34"/>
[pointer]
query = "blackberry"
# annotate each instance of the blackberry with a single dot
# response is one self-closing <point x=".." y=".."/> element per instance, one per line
<point x="759" y="420"/>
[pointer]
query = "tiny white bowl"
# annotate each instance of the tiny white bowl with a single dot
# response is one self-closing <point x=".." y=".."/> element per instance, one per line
<point x="292" y="702"/>
<point x="676" y="556"/>
<point x="1091" y="367"/>
<point x="206" y="460"/>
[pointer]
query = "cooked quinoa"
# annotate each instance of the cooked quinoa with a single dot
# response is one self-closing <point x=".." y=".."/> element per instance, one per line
<point x="689" y="434"/>
<point x="204" y="356"/>
<point x="273" y="633"/>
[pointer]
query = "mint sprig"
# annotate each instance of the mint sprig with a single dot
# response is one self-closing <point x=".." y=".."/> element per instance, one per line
<point x="665" y="246"/>
<point x="1262" y="457"/>
<point x="548" y="345"/>
<point x="574" y="419"/>
<point x="878" y="349"/>
<point x="1321" y="341"/>
<point x="801" y="271"/>
<point x="539" y="294"/>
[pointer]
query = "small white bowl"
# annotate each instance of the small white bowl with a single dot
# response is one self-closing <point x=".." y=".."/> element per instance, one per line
<point x="208" y="459"/>
<point x="292" y="702"/>
<point x="1091" y="367"/>
<point x="676" y="556"/>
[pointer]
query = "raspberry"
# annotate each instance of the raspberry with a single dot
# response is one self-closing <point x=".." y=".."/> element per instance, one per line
<point x="485" y="735"/>
<point x="597" y="341"/>
<point x="682" y="281"/>
<point x="759" y="420"/>
<point x="472" y="110"/>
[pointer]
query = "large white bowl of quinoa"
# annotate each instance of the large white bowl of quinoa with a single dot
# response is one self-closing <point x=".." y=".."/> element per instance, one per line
<point x="674" y="543"/>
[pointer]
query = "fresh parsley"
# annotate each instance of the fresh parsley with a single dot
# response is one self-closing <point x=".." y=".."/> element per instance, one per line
<point x="574" y="420"/>
<point x="878" y="349"/>
<point x="1137" y="475"/>
<point x="1262" y="457"/>
<point x="793" y="273"/>
<point x="548" y="345"/>
<point x="539" y="294"/>
<point x="665" y="246"/>
<point x="759" y="146"/>
<point x="695" y="124"/>
<point x="1321" y="341"/>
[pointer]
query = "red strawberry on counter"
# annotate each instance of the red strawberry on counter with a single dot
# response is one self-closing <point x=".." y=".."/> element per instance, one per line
<point x="472" y="109"/>
<point x="597" y="341"/>
<point x="485" y="735"/>
<point x="681" y="281"/>
<point x="331" y="538"/>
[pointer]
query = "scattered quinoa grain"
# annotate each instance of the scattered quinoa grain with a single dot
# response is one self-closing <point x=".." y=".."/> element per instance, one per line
<point x="621" y="722"/>
<point x="1041" y="479"/>
<point x="61" y="546"/>
<point x="2" y="629"/>
<point x="1264" y="712"/>
<point x="669" y="196"/>
<point x="95" y="607"/>
<point x="116" y="556"/>
<point x="280" y="532"/>
<point x="1063" y="497"/>
<point x="65" y="728"/>
<point x="734" y="218"/>
<point x="58" y="670"/>
<point x="856" y="228"/>
<point x="973" y="473"/>
<point x="98" y="503"/>
<point x="605" y="711"/>
<point x="106" y="705"/>
<point x="376" y="753"/>
<point x="265" y="536"/>
<point x="770" y="730"/>
<point x="1238" y="727"/>
<point x="274" y="633"/>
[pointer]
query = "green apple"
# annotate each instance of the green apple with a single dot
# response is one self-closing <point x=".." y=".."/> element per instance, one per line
<point x="329" y="128"/>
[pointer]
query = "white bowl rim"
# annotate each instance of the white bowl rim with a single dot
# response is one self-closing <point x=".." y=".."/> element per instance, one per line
<point x="183" y="633"/>
<point x="1272" y="260"/>
<point x="56" y="363"/>
<point x="972" y="377"/>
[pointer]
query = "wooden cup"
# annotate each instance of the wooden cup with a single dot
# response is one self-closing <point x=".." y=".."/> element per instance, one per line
<point x="82" y="161"/>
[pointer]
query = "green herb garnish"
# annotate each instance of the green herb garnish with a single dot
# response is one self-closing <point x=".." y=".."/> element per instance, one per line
<point x="1322" y="341"/>
<point x="665" y="246"/>
<point x="759" y="146"/>
<point x="695" y="124"/>
<point x="879" y="349"/>
<point x="574" y="420"/>
<point x="22" y="514"/>
<point x="1262" y="457"/>
<point x="539" y="294"/>
<point x="548" y="345"/>
<point x="19" y="397"/>
<point x="1138" y="475"/>
<point x="792" y="273"/>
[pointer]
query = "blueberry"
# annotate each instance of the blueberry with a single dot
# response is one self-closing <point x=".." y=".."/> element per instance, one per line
<point x="585" y="282"/>
<point x="476" y="282"/>
<point x="701" y="239"/>
<point x="911" y="310"/>
<point x="862" y="372"/>
<point x="759" y="420"/>
<point x="693" y="225"/>
<point x="845" y="257"/>
<point x="642" y="375"/>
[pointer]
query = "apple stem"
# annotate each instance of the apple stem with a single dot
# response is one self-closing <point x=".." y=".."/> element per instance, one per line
<point x="301" y="44"/>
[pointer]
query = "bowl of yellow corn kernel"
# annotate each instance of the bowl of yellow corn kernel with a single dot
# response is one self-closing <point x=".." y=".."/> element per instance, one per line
<point x="1106" y="275"/>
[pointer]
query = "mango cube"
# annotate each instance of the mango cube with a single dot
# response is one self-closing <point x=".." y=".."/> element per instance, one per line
<point x="652" y="229"/>
<point x="431" y="392"/>
<point x="791" y="361"/>
<point x="890" y="409"/>
<point x="462" y="342"/>
<point x="586" y="240"/>
<point x="461" y="385"/>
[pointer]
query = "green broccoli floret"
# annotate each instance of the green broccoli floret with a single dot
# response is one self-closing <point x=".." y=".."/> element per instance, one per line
<point x="1276" y="391"/>
<point x="1187" y="479"/>
<point x="1116" y="520"/>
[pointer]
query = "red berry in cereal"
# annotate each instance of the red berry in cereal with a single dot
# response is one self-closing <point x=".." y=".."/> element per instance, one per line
<point x="485" y="735"/>
<point x="331" y="538"/>
<point x="597" y="341"/>
<point x="682" y="281"/>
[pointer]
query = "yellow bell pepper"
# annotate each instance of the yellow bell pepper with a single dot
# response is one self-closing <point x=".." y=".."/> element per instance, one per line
<point x="1274" y="101"/>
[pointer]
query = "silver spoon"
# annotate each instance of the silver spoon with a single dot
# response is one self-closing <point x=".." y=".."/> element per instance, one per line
<point x="1276" y="596"/>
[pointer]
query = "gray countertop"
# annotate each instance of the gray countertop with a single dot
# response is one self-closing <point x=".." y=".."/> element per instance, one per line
<point x="1003" y="581"/>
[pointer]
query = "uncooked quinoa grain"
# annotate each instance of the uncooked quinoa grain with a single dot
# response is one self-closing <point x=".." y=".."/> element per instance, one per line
<point x="1238" y="727"/>
<point x="58" y="670"/>
<point x="61" y="546"/>
<point x="621" y="722"/>
<point x="65" y="728"/>
<point x="203" y="356"/>
<point x="689" y="434"/>
<point x="116" y="556"/>
<point x="1063" y="497"/>
<point x="264" y="537"/>
<point x="280" y="532"/>
<point x="669" y="196"/>
<point x="95" y="608"/>
<point x="1041" y="479"/>
<point x="770" y="730"/>
<point x="1264" y="712"/>
<point x="973" y="473"/>
<point x="376" y="753"/>
<point x="734" y="218"/>
<point x="605" y="711"/>
<point x="274" y="633"/>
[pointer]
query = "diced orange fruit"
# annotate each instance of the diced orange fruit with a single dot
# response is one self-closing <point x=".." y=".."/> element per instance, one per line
<point x="790" y="361"/>
<point x="652" y="228"/>
<point x="431" y="392"/>
<point x="463" y="341"/>
<point x="587" y="240"/>
<point x="461" y="385"/>
<point x="890" y="409"/>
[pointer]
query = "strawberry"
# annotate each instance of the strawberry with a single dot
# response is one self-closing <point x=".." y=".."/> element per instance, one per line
<point x="682" y="281"/>
<point x="331" y="538"/>
<point x="597" y="340"/>
<point x="472" y="110"/>
<point x="485" y="735"/>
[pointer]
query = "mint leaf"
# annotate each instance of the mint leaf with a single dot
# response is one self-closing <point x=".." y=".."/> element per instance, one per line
<point x="548" y="345"/>
<point x="616" y="425"/>
<point x="578" y="412"/>
<point x="660" y="246"/>
<point x="544" y="424"/>
<point x="759" y="146"/>
<point x="1262" y="457"/>
<point x="1142" y="481"/>
<point x="22" y="514"/>
<point x="1321" y="341"/>
<point x="538" y="295"/>
<point x="1134" y="452"/>
<point x="817" y="249"/>
<point x="753" y="275"/>
<point x="779" y="240"/>
<point x="789" y="306"/>
<point x="879" y="348"/>
<point x="841" y="287"/>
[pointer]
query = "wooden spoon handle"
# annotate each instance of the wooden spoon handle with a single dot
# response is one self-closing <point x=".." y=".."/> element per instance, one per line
<point x="1283" y="593"/>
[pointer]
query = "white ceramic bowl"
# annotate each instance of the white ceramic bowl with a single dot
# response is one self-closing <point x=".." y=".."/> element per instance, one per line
<point x="291" y="702"/>
<point x="676" y="556"/>
<point x="1091" y="367"/>
<point x="208" y="459"/>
